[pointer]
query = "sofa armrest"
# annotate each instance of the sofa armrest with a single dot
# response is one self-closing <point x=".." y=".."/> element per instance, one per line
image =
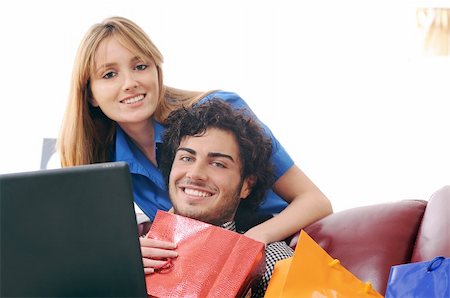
<point x="369" y="240"/>
<point x="433" y="238"/>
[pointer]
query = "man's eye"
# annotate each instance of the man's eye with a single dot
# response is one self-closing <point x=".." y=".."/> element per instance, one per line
<point x="141" y="67"/>
<point x="110" y="75"/>
<point x="218" y="164"/>
<point x="186" y="158"/>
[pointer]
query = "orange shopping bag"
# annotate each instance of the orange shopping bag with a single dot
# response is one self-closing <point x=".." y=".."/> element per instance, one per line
<point x="312" y="272"/>
<point x="211" y="262"/>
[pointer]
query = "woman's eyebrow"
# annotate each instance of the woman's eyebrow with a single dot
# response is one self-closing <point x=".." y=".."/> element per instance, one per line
<point x="104" y="66"/>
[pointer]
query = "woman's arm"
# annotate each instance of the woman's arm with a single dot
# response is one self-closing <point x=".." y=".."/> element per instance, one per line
<point x="307" y="204"/>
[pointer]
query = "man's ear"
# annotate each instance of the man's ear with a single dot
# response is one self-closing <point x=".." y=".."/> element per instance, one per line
<point x="247" y="186"/>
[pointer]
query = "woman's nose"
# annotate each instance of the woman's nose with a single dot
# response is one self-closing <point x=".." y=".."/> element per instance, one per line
<point x="130" y="82"/>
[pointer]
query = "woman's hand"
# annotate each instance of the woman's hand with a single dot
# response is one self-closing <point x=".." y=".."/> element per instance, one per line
<point x="156" y="254"/>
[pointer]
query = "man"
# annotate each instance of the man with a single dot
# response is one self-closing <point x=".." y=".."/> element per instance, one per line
<point x="216" y="160"/>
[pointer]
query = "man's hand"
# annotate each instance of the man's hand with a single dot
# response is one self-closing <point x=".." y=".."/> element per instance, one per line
<point x="156" y="254"/>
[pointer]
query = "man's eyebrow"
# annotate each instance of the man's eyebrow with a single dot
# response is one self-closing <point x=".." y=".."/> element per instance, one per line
<point x="210" y="154"/>
<point x="188" y="150"/>
<point x="218" y="154"/>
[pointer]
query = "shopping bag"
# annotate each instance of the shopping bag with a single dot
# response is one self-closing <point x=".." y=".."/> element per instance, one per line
<point x="420" y="279"/>
<point x="312" y="272"/>
<point x="211" y="262"/>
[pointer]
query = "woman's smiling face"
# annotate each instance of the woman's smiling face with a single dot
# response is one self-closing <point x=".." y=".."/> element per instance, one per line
<point x="124" y="86"/>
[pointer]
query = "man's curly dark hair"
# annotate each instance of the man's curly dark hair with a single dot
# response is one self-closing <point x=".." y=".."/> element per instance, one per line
<point x="255" y="148"/>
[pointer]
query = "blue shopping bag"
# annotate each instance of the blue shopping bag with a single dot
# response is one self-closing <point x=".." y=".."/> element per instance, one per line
<point x="421" y="279"/>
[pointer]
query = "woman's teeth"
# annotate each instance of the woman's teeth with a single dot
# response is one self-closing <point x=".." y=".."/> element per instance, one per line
<point x="133" y="99"/>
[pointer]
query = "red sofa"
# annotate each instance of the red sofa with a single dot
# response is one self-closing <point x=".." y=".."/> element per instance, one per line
<point x="369" y="240"/>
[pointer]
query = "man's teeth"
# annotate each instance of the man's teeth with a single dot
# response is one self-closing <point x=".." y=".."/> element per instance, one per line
<point x="194" y="192"/>
<point x="133" y="99"/>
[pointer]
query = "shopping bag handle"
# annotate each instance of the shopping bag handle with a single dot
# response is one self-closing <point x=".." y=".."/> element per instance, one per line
<point x="367" y="285"/>
<point x="334" y="263"/>
<point x="435" y="263"/>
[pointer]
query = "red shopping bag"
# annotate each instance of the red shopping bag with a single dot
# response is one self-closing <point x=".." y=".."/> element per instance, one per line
<point x="211" y="262"/>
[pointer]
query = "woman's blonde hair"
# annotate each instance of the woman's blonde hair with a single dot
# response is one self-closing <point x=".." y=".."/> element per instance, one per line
<point x="87" y="134"/>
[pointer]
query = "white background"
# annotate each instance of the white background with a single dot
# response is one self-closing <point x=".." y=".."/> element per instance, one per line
<point x="340" y="84"/>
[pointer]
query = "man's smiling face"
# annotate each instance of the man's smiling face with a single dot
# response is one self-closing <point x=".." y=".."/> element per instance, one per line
<point x="205" y="182"/>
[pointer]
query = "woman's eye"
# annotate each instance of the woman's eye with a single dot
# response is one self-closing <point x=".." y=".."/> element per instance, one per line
<point x="109" y="75"/>
<point x="141" y="67"/>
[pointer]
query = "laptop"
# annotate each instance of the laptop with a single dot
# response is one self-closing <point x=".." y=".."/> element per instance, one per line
<point x="70" y="232"/>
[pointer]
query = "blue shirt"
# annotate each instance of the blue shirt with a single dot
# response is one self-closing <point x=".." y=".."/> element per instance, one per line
<point x="149" y="188"/>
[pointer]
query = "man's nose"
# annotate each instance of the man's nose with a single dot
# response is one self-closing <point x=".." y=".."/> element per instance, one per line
<point x="197" y="171"/>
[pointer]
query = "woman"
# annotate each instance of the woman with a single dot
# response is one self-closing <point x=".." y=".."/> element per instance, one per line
<point x="117" y="107"/>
